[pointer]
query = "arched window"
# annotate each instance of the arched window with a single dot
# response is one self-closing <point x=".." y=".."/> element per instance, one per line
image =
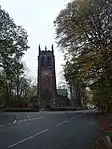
<point x="49" y="61"/>
<point x="42" y="61"/>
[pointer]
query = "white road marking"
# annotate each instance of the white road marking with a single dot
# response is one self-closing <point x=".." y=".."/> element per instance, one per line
<point x="1" y="126"/>
<point x="20" y="121"/>
<point x="16" y="120"/>
<point x="28" y="116"/>
<point x="61" y="123"/>
<point x="29" y="119"/>
<point x="35" y="118"/>
<point x="31" y="137"/>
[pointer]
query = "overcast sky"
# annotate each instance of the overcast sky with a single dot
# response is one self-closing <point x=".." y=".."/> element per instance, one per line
<point x="37" y="17"/>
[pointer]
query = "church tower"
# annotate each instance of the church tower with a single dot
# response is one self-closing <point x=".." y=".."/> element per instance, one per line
<point x="46" y="78"/>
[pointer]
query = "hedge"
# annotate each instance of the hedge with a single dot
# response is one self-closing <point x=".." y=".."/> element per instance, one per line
<point x="62" y="109"/>
<point x="21" y="109"/>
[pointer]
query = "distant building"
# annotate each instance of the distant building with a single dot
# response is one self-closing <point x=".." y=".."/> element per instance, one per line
<point x="62" y="92"/>
<point x="62" y="97"/>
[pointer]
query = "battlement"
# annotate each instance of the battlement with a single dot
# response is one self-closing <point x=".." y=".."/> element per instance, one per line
<point x="46" y="52"/>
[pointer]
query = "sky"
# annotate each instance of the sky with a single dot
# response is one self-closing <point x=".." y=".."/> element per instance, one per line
<point x="36" y="17"/>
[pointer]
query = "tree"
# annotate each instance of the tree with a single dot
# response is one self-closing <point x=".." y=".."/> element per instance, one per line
<point x="13" y="44"/>
<point x="3" y="87"/>
<point x="13" y="41"/>
<point x="84" y="33"/>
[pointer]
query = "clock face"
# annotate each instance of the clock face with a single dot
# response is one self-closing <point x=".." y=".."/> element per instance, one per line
<point x="46" y="79"/>
<point x="46" y="73"/>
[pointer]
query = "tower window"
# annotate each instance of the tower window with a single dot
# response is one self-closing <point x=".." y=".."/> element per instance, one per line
<point x="49" y="61"/>
<point x="42" y="61"/>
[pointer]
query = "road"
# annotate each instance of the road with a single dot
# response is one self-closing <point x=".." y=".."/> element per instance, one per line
<point x="6" y="118"/>
<point x="50" y="130"/>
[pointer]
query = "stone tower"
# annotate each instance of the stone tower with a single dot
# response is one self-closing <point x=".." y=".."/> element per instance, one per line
<point x="46" y="78"/>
